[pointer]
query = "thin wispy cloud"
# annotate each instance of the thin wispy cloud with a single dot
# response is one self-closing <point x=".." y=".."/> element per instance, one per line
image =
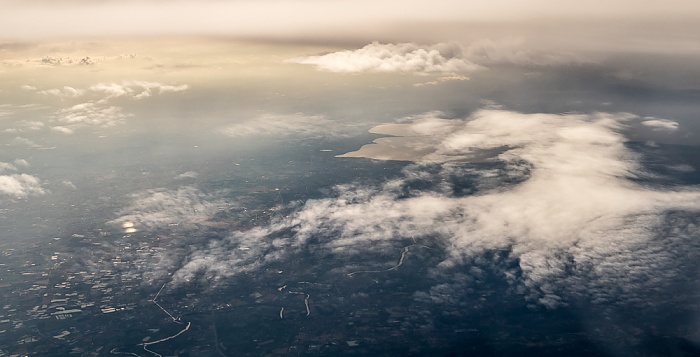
<point x="160" y="208"/>
<point x="187" y="175"/>
<point x="22" y="141"/>
<point x="99" y="112"/>
<point x="661" y="124"/>
<point x="5" y="166"/>
<point x="63" y="130"/>
<point x="65" y="92"/>
<point x="135" y="89"/>
<point x="287" y="125"/>
<point x="442" y="80"/>
<point x="91" y="113"/>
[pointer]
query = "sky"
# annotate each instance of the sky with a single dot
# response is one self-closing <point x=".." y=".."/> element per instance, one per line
<point x="570" y="25"/>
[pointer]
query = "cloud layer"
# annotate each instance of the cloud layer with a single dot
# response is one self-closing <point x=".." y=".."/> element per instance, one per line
<point x="556" y="192"/>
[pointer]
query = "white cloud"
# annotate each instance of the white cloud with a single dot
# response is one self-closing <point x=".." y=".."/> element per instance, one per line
<point x="402" y="58"/>
<point x="99" y="112"/>
<point x="21" y="162"/>
<point x="682" y="168"/>
<point x="297" y="124"/>
<point x="4" y="166"/>
<point x="112" y="89"/>
<point x="242" y="252"/>
<point x="442" y="80"/>
<point x="69" y="184"/>
<point x="28" y="87"/>
<point x="23" y="141"/>
<point x="63" y="130"/>
<point x="185" y="207"/>
<point x="561" y="201"/>
<point x="136" y="89"/>
<point x="91" y="113"/>
<point x="188" y="175"/>
<point x="32" y="125"/>
<point x="20" y="185"/>
<point x="661" y="124"/>
<point x="65" y="92"/>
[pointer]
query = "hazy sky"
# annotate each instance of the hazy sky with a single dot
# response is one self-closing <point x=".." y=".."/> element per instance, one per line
<point x="596" y="24"/>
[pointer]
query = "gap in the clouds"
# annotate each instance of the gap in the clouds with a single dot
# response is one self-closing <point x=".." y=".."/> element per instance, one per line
<point x="668" y="165"/>
<point x="461" y="179"/>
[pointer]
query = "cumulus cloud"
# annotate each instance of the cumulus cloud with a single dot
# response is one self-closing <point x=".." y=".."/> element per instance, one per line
<point x="558" y="194"/>
<point x="297" y="124"/>
<point x="661" y="124"/>
<point x="184" y="207"/>
<point x="402" y="58"/>
<point x="28" y="87"/>
<point x="20" y="185"/>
